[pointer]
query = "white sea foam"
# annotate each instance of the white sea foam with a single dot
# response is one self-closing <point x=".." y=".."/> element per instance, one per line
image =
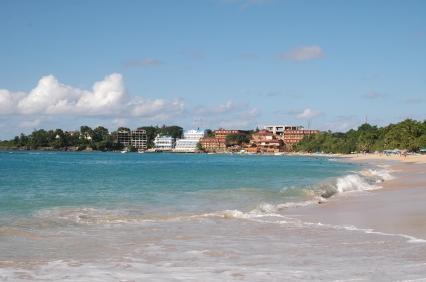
<point x="409" y="238"/>
<point x="379" y="174"/>
<point x="88" y="216"/>
<point x="353" y="182"/>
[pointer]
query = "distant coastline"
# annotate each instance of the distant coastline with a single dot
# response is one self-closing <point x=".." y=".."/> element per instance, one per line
<point x="407" y="136"/>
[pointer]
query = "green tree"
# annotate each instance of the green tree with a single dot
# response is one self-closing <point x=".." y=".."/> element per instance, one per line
<point x="210" y="133"/>
<point x="173" y="131"/>
<point x="200" y="147"/>
<point x="151" y="133"/>
<point x="237" y="139"/>
<point x="100" y="133"/>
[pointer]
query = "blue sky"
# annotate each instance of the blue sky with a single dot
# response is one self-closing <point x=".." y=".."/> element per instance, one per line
<point x="210" y="63"/>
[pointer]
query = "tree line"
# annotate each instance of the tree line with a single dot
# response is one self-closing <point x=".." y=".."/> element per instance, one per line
<point x="98" y="138"/>
<point x="408" y="134"/>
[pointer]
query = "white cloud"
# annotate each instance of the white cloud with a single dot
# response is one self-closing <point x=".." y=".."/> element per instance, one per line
<point x="307" y="113"/>
<point x="156" y="109"/>
<point x="304" y="53"/>
<point x="7" y="103"/>
<point x="107" y="98"/>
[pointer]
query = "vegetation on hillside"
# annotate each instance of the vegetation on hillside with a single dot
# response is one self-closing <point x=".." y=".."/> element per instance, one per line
<point x="98" y="138"/>
<point x="408" y="134"/>
<point x="237" y="139"/>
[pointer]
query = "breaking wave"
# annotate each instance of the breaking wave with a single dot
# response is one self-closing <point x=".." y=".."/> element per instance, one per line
<point x="293" y="197"/>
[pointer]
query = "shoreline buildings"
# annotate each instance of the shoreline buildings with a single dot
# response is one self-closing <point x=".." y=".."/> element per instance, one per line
<point x="164" y="143"/>
<point x="190" y="141"/>
<point x="271" y="139"/>
<point x="136" y="138"/>
<point x="218" y="142"/>
<point x="265" y="141"/>
<point x="289" y="134"/>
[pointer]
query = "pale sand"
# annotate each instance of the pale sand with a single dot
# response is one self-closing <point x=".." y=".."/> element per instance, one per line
<point x="419" y="159"/>
<point x="415" y="158"/>
<point x="398" y="208"/>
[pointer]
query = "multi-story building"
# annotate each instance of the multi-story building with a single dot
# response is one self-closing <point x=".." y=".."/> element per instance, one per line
<point x="164" y="143"/>
<point x="194" y="134"/>
<point x="290" y="134"/>
<point x="218" y="142"/>
<point x="280" y="129"/>
<point x="213" y="144"/>
<point x="292" y="137"/>
<point x="265" y="141"/>
<point x="139" y="139"/>
<point x="222" y="133"/>
<point x="136" y="138"/>
<point x="123" y="137"/>
<point x="189" y="141"/>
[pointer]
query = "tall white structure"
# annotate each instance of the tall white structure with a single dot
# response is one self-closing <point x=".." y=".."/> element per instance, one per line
<point x="194" y="134"/>
<point x="189" y="141"/>
<point x="164" y="143"/>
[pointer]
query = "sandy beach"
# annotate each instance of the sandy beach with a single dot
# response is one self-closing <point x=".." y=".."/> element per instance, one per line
<point x="398" y="208"/>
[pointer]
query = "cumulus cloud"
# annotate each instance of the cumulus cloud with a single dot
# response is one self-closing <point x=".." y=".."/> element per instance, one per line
<point x="156" y="109"/>
<point x="307" y="113"/>
<point x="106" y="98"/>
<point x="304" y="53"/>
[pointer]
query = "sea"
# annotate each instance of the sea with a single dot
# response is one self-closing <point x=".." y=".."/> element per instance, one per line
<point x="94" y="216"/>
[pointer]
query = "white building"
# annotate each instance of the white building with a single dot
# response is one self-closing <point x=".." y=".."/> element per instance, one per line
<point x="189" y="141"/>
<point x="164" y="143"/>
<point x="194" y="134"/>
<point x="279" y="129"/>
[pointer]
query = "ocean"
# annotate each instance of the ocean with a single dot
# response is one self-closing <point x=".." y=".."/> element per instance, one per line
<point x="183" y="217"/>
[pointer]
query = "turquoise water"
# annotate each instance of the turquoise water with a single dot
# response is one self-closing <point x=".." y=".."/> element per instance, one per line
<point x="32" y="181"/>
<point x="187" y="217"/>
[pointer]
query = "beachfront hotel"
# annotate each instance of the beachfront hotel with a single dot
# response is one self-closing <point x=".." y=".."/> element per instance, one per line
<point x="280" y="129"/>
<point x="164" y="143"/>
<point x="265" y="141"/>
<point x="218" y="142"/>
<point x="292" y="137"/>
<point x="290" y="134"/>
<point x="190" y="140"/>
<point x="136" y="138"/>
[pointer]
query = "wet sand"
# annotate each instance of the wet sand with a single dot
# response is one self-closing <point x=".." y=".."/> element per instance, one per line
<point x="398" y="208"/>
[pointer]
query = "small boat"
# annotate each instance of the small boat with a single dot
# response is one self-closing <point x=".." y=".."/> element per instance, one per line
<point x="124" y="151"/>
<point x="141" y="151"/>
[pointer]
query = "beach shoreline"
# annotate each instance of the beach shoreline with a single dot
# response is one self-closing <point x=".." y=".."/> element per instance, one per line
<point x="397" y="208"/>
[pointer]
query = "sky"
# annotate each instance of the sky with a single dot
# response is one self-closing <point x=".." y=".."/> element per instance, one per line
<point x="237" y="64"/>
